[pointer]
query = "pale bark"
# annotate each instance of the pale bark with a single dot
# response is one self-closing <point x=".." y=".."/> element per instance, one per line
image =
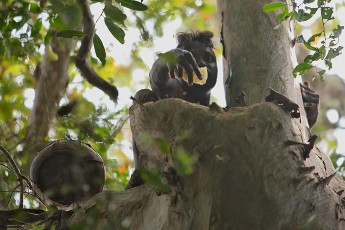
<point x="246" y="175"/>
<point x="51" y="80"/>
<point x="256" y="56"/>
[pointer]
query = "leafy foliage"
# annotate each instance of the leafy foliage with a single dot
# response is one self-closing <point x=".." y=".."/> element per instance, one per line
<point x="328" y="48"/>
<point x="26" y="30"/>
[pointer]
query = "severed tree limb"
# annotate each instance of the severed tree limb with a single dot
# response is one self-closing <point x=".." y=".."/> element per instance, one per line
<point x="82" y="61"/>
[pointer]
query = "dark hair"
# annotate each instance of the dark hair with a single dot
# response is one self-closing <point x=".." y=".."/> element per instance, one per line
<point x="186" y="38"/>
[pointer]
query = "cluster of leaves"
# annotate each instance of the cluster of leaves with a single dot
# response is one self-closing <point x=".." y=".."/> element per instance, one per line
<point x="114" y="19"/>
<point x="328" y="48"/>
<point x="13" y="122"/>
<point x="19" y="30"/>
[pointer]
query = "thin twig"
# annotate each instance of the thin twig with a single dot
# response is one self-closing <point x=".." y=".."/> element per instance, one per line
<point x="94" y="26"/>
<point x="138" y="102"/>
<point x="5" y="166"/>
<point x="19" y="175"/>
<point x="9" y="200"/>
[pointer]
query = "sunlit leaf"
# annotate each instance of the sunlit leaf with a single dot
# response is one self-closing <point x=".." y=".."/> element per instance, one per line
<point x="302" y="68"/>
<point x="312" y="38"/>
<point x="273" y="6"/>
<point x="283" y="15"/>
<point x="15" y="69"/>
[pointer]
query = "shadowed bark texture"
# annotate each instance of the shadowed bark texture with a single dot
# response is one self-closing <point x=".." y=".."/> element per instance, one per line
<point x="251" y="170"/>
<point x="247" y="173"/>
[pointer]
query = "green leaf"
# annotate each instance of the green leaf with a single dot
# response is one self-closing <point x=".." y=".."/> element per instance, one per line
<point x="302" y="15"/>
<point x="184" y="162"/>
<point x="328" y="63"/>
<point x="312" y="57"/>
<point x="310" y="47"/>
<point x="114" y="13"/>
<point x="99" y="48"/>
<point x="36" y="28"/>
<point x="317" y="55"/>
<point x="155" y="179"/>
<point x="312" y="38"/>
<point x="321" y="73"/>
<point x="164" y="146"/>
<point x="47" y="37"/>
<point x="321" y="2"/>
<point x="322" y="51"/>
<point x="70" y="34"/>
<point x="283" y="15"/>
<point x="327" y="13"/>
<point x="302" y="68"/>
<point x="133" y="5"/>
<point x="308" y="1"/>
<point x="334" y="52"/>
<point x="115" y="30"/>
<point x="337" y="32"/>
<point x="52" y="208"/>
<point x="307" y="44"/>
<point x="333" y="43"/>
<point x="273" y="6"/>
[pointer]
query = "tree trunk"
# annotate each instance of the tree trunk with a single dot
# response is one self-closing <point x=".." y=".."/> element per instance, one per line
<point x="251" y="169"/>
<point x="51" y="79"/>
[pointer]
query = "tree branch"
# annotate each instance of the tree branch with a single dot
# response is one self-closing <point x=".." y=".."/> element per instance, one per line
<point x="82" y="62"/>
<point x="19" y="175"/>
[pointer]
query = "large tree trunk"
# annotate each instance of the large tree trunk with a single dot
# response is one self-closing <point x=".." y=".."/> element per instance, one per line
<point x="250" y="170"/>
<point x="256" y="56"/>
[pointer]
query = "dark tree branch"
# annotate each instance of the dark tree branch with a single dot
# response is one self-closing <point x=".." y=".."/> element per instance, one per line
<point x="82" y="61"/>
<point x="19" y="175"/>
